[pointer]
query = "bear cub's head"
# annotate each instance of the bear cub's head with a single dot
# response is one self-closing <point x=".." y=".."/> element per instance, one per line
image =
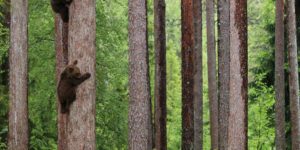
<point x="72" y="72"/>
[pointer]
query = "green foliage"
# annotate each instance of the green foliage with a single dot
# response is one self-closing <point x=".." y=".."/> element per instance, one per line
<point x="112" y="75"/>
<point x="173" y="74"/>
<point x="261" y="39"/>
<point x="42" y="84"/>
<point x="4" y="40"/>
<point x="261" y="115"/>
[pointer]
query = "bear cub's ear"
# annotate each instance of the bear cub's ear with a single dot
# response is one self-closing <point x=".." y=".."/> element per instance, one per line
<point x="75" y="62"/>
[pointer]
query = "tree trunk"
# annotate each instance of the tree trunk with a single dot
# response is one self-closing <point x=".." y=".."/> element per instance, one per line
<point x="160" y="75"/>
<point x="18" y="77"/>
<point x="140" y="127"/>
<point x="212" y="77"/>
<point x="293" y="74"/>
<point x="237" y="131"/>
<point x="61" y="48"/>
<point x="82" y="38"/>
<point x="279" y="77"/>
<point x="223" y="71"/>
<point x="198" y="79"/>
<point x="187" y="72"/>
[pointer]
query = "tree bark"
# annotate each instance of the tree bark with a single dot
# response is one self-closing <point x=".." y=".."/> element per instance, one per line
<point x="279" y="77"/>
<point x="139" y="121"/>
<point x="198" y="78"/>
<point x="237" y="131"/>
<point x="61" y="48"/>
<point x="18" y="77"/>
<point x="187" y="72"/>
<point x="212" y="77"/>
<point x="160" y="75"/>
<point x="293" y="74"/>
<point x="82" y="38"/>
<point x="223" y="71"/>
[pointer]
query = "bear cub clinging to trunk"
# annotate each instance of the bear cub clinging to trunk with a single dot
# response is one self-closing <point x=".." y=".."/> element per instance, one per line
<point x="70" y="78"/>
<point x="61" y="7"/>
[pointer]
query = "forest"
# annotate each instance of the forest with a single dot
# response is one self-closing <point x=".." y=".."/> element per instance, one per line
<point x="163" y="74"/>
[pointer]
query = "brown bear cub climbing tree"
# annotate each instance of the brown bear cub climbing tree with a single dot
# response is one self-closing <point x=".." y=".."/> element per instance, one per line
<point x="61" y="7"/>
<point x="70" y="78"/>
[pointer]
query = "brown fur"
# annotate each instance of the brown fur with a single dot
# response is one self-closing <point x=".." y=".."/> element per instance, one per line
<point x="70" y="78"/>
<point x="61" y="7"/>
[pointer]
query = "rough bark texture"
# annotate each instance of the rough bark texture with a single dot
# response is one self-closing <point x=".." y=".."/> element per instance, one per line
<point x="237" y="131"/>
<point x="140" y="128"/>
<point x="198" y="79"/>
<point x="279" y="77"/>
<point x="187" y="72"/>
<point x="61" y="48"/>
<point x="293" y="74"/>
<point x="223" y="71"/>
<point x="160" y="75"/>
<point x="18" y="77"/>
<point x="82" y="37"/>
<point x="212" y="77"/>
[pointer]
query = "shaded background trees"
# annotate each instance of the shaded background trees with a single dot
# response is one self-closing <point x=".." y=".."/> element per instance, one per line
<point x="198" y="75"/>
<point x="187" y="73"/>
<point x="160" y="105"/>
<point x="279" y="77"/>
<point x="212" y="75"/>
<point x="112" y="79"/>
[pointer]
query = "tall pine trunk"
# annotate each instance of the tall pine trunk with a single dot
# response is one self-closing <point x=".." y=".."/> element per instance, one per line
<point x="293" y="74"/>
<point x="140" y="127"/>
<point x="61" y="48"/>
<point x="212" y="77"/>
<point x="18" y="77"/>
<point x="160" y="75"/>
<point x="198" y="78"/>
<point x="82" y="37"/>
<point x="237" y="131"/>
<point x="279" y="77"/>
<point x="187" y="72"/>
<point x="223" y="71"/>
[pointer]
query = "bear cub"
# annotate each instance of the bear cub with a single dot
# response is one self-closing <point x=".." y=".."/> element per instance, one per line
<point x="61" y="7"/>
<point x="70" y="78"/>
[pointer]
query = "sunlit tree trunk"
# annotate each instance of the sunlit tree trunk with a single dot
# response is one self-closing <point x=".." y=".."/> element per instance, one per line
<point x="223" y="71"/>
<point x="187" y="72"/>
<point x="279" y="77"/>
<point x="82" y="38"/>
<point x="18" y="77"/>
<point x="212" y="77"/>
<point x="237" y="131"/>
<point x="293" y="74"/>
<point x="139" y="121"/>
<point x="198" y="79"/>
<point x="160" y="75"/>
<point x="61" y="48"/>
